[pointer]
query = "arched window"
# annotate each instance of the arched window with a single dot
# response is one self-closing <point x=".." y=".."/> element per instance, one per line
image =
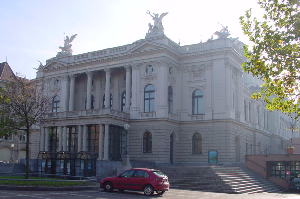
<point x="103" y="101"/>
<point x="123" y="101"/>
<point x="147" y="142"/>
<point x="170" y="99"/>
<point x="197" y="143"/>
<point x="55" y="103"/>
<point x="149" y="98"/>
<point x="198" y="103"/>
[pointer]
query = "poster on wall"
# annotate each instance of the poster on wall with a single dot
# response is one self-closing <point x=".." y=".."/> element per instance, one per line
<point x="213" y="157"/>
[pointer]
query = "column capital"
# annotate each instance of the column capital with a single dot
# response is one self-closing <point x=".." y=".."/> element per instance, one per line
<point x="72" y="77"/>
<point x="127" y="67"/>
<point x="107" y="70"/>
<point x="89" y="73"/>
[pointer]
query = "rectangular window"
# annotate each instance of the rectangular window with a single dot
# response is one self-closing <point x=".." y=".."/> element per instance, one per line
<point x="53" y="139"/>
<point x="72" y="139"/>
<point x="93" y="138"/>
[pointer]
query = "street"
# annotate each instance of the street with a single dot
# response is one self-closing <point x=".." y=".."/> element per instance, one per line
<point x="172" y="194"/>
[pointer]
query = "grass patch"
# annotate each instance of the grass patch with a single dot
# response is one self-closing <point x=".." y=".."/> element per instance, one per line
<point x="30" y="177"/>
<point x="38" y="181"/>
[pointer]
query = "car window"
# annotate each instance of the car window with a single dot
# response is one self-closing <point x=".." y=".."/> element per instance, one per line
<point x="127" y="174"/>
<point x="297" y="180"/>
<point x="159" y="173"/>
<point x="140" y="174"/>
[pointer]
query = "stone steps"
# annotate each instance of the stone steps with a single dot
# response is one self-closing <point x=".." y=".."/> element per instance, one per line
<point x="217" y="179"/>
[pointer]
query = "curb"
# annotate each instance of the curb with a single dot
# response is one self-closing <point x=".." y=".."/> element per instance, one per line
<point x="45" y="188"/>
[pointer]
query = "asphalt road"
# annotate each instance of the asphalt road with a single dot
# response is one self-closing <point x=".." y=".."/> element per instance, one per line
<point x="172" y="194"/>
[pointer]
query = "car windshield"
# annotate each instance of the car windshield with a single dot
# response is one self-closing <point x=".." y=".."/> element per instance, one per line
<point x="159" y="173"/>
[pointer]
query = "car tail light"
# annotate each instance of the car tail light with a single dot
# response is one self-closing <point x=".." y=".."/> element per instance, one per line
<point x="160" y="180"/>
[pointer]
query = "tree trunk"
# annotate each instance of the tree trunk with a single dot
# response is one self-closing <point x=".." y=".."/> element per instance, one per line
<point x="27" y="153"/>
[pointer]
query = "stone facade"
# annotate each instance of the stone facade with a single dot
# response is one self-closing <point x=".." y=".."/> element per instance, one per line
<point x="193" y="100"/>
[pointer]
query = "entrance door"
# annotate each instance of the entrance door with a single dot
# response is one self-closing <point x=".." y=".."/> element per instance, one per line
<point x="115" y="134"/>
<point x="172" y="148"/>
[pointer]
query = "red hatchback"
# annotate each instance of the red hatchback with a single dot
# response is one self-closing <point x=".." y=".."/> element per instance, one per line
<point x="138" y="179"/>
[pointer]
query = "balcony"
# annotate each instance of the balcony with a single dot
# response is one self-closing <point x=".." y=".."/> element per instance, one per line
<point x="88" y="113"/>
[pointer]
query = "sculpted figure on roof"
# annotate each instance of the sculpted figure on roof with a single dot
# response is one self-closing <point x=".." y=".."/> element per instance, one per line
<point x="157" y="27"/>
<point x="223" y="33"/>
<point x="66" y="50"/>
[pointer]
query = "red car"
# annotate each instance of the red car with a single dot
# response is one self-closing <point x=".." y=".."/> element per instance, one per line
<point x="138" y="179"/>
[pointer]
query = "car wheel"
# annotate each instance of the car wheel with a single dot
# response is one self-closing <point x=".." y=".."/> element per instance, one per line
<point x="108" y="186"/>
<point x="148" y="190"/>
<point x="160" y="192"/>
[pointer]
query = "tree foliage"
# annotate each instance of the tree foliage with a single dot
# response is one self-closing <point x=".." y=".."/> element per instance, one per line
<point x="21" y="107"/>
<point x="274" y="53"/>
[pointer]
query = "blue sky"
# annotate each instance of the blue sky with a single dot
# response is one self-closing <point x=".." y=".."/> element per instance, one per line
<point x="32" y="30"/>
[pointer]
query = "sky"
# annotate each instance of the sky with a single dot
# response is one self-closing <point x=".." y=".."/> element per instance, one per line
<point x="32" y="30"/>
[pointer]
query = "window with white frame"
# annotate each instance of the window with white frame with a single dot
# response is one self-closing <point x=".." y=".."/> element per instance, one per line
<point x="55" y="103"/>
<point x="149" y="98"/>
<point x="197" y="102"/>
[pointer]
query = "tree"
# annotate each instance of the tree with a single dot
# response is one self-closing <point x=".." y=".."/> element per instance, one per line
<point x="274" y="53"/>
<point x="21" y="107"/>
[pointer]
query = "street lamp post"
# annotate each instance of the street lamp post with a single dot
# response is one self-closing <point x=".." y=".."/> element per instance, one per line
<point x="12" y="146"/>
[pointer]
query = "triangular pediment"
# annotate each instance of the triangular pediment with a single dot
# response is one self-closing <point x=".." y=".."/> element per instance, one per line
<point x="146" y="47"/>
<point x="53" y="65"/>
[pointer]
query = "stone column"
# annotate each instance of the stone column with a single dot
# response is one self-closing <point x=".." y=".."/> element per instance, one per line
<point x="60" y="132"/>
<point x="42" y="139"/>
<point x="72" y="91"/>
<point x="89" y="90"/>
<point x="100" y="152"/>
<point x="79" y="138"/>
<point x="65" y="138"/>
<point x="128" y="88"/>
<point x="106" y="143"/>
<point x="162" y="96"/>
<point x="46" y="139"/>
<point x="65" y="91"/>
<point x="84" y="138"/>
<point x="107" y="88"/>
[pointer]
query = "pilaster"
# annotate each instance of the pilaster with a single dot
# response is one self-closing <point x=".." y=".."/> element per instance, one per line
<point x="89" y="90"/>
<point x="106" y="143"/>
<point x="72" y="92"/>
<point x="135" y="88"/>
<point x="84" y="138"/>
<point x="46" y="139"/>
<point x="162" y="91"/>
<point x="107" y="88"/>
<point x="128" y="88"/>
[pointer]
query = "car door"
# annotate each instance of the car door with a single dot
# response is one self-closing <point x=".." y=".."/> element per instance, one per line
<point x="123" y="180"/>
<point x="138" y="180"/>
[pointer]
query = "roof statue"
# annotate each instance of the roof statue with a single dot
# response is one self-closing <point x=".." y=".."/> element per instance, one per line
<point x="157" y="27"/>
<point x="66" y="49"/>
<point x="223" y="33"/>
<point x="41" y="66"/>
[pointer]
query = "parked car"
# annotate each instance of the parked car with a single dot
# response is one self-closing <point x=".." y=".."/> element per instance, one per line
<point x="295" y="184"/>
<point x="138" y="179"/>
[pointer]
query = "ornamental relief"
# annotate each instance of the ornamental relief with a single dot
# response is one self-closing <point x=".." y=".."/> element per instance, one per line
<point x="54" y="84"/>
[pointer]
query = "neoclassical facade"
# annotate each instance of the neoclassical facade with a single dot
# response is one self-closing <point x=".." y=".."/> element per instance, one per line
<point x="154" y="101"/>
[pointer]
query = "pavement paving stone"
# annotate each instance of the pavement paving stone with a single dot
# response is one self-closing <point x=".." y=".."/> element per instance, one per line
<point x="171" y="194"/>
